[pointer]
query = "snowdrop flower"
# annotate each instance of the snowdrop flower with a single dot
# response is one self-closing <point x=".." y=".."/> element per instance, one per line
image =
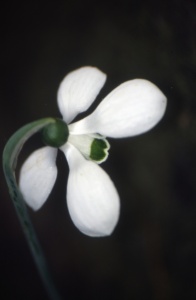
<point x="132" y="108"/>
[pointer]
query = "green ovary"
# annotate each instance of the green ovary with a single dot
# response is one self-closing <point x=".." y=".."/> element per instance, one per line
<point x="55" y="134"/>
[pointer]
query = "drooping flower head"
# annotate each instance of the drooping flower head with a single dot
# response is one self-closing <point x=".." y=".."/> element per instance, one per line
<point x="132" y="108"/>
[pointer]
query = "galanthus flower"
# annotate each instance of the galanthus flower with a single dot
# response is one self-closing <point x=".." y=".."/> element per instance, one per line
<point x="133" y="108"/>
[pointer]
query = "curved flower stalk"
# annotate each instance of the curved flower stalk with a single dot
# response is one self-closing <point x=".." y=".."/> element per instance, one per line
<point x="10" y="154"/>
<point x="132" y="108"/>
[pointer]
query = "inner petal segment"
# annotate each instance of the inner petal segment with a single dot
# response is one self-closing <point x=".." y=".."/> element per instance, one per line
<point x="92" y="146"/>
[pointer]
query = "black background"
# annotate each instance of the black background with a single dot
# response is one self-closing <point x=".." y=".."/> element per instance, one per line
<point x="152" y="252"/>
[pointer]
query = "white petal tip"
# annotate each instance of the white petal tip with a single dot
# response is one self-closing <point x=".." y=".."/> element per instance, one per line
<point x="133" y="108"/>
<point x="78" y="90"/>
<point x="92" y="199"/>
<point x="37" y="177"/>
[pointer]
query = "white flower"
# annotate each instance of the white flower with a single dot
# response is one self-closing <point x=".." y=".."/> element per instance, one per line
<point x="132" y="108"/>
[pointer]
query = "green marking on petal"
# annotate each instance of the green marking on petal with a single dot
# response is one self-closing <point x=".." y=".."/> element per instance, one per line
<point x="92" y="146"/>
<point x="99" y="150"/>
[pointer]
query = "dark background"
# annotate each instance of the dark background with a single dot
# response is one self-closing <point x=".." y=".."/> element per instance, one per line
<point x="152" y="252"/>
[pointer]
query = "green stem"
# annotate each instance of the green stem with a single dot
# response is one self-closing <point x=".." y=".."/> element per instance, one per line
<point x="10" y="154"/>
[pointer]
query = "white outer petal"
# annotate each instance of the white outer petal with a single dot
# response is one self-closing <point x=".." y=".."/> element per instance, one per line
<point x="92" y="199"/>
<point x="78" y="90"/>
<point x="37" y="176"/>
<point x="132" y="108"/>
